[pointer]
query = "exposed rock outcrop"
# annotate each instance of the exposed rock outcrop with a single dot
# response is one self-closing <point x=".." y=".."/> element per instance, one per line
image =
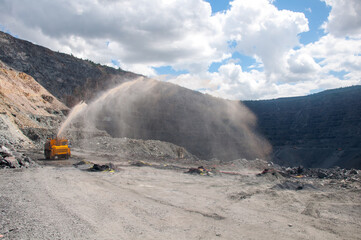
<point x="28" y="112"/>
<point x="10" y="158"/>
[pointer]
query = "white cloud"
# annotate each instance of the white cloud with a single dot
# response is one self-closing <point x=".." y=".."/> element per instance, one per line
<point x="229" y="82"/>
<point x="336" y="54"/>
<point x="180" y="33"/>
<point x="260" y="29"/>
<point x="233" y="83"/>
<point x="345" y="18"/>
<point x="139" y="68"/>
<point x="302" y="63"/>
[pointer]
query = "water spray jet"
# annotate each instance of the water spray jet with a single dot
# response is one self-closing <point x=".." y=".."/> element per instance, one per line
<point x="148" y="109"/>
<point x="75" y="112"/>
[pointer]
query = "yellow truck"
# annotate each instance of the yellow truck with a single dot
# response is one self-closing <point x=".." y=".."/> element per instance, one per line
<point x="56" y="147"/>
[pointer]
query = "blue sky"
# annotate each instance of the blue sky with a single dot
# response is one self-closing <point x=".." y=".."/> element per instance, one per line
<point x="219" y="6"/>
<point x="239" y="49"/>
<point x="315" y="11"/>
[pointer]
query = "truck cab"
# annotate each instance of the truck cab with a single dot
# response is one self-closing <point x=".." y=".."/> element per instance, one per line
<point x="57" y="147"/>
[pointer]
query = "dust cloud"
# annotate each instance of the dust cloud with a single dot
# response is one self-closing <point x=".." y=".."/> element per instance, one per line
<point x="74" y="113"/>
<point x="206" y="126"/>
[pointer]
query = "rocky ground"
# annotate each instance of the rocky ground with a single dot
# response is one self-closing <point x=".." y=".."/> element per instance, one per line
<point x="154" y="198"/>
<point x="11" y="158"/>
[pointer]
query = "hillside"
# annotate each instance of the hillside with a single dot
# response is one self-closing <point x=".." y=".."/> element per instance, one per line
<point x="320" y="130"/>
<point x="68" y="78"/>
<point x="27" y="110"/>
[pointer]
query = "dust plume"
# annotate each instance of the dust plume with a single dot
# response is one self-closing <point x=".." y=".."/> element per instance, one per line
<point x="75" y="112"/>
<point x="206" y="126"/>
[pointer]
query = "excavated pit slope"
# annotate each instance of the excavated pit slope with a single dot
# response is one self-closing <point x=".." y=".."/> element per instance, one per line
<point x="320" y="130"/>
<point x="28" y="112"/>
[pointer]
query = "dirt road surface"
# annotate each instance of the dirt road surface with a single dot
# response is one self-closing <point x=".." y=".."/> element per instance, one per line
<point x="60" y="201"/>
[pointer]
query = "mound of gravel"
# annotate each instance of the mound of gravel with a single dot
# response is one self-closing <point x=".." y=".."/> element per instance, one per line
<point x="134" y="148"/>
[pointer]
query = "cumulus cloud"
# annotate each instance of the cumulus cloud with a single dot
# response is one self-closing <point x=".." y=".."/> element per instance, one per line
<point x="336" y="54"/>
<point x="345" y="18"/>
<point x="139" y="32"/>
<point x="300" y="63"/>
<point x="258" y="28"/>
<point x="231" y="82"/>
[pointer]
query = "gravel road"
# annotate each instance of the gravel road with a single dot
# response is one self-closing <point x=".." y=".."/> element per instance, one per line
<point x="64" y="202"/>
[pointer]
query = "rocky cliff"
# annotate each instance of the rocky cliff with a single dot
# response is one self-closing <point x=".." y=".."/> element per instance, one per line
<point x="68" y="78"/>
<point x="320" y="130"/>
<point x="28" y="112"/>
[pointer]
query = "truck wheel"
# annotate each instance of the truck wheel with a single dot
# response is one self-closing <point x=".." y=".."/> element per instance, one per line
<point x="47" y="155"/>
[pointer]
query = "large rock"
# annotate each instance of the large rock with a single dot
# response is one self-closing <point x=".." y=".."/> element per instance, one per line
<point x="13" y="159"/>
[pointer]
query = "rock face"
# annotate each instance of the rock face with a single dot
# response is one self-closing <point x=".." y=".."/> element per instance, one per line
<point x="68" y="78"/>
<point x="320" y="130"/>
<point x="28" y="112"/>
